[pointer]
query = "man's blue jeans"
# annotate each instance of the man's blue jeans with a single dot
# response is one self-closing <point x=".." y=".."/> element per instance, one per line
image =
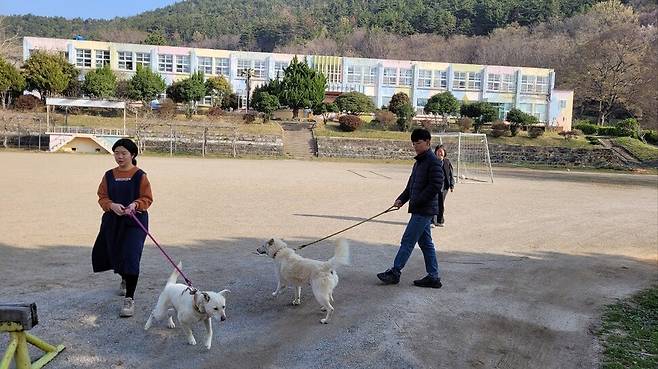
<point x="418" y="231"/>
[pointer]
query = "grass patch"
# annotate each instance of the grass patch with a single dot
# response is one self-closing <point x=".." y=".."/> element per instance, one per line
<point x="331" y="130"/>
<point x="549" y="139"/>
<point x="183" y="124"/>
<point x="639" y="149"/>
<point x="629" y="332"/>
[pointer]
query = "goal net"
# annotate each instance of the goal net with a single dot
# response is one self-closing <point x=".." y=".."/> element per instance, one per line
<point x="469" y="154"/>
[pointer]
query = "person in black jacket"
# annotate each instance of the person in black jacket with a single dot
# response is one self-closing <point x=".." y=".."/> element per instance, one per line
<point x="422" y="193"/>
<point x="448" y="183"/>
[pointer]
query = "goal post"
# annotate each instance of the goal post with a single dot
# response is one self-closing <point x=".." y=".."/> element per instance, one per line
<point x="469" y="153"/>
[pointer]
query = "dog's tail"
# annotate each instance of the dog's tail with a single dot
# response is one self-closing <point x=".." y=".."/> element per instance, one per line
<point x="341" y="254"/>
<point x="174" y="276"/>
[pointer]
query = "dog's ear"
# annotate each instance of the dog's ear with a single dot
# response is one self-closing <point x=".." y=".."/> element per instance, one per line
<point x="270" y="242"/>
<point x="224" y="292"/>
<point x="206" y="296"/>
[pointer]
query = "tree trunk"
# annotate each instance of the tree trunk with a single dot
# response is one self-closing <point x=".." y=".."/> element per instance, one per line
<point x="295" y="113"/>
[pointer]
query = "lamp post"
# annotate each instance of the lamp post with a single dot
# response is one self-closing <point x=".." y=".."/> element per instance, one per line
<point x="248" y="73"/>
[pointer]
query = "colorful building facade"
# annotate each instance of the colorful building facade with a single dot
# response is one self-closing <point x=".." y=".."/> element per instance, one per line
<point x="528" y="89"/>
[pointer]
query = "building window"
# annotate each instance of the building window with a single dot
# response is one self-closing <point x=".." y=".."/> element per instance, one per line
<point x="440" y="79"/>
<point x="260" y="70"/>
<point x="406" y="77"/>
<point x="421" y="102"/>
<point x="541" y="85"/>
<point x="563" y="104"/>
<point x="278" y="69"/>
<point x="386" y="100"/>
<point x="370" y="75"/>
<point x="165" y="63"/>
<point x="221" y="66"/>
<point x="205" y="64"/>
<point x="102" y="58"/>
<point x="540" y="112"/>
<point x="354" y="74"/>
<point x="390" y="76"/>
<point x="493" y="82"/>
<point x="83" y="58"/>
<point x="424" y="78"/>
<point x="503" y="109"/>
<point x="534" y="85"/>
<point x="459" y="81"/>
<point x="474" y="81"/>
<point x="143" y="59"/>
<point x="182" y="64"/>
<point x="125" y="60"/>
<point x="242" y="66"/>
<point x="508" y="83"/>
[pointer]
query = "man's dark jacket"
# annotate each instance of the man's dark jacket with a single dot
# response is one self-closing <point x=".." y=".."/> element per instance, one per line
<point x="424" y="185"/>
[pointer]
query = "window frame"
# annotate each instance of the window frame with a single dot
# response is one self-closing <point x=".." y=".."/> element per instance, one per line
<point x="124" y="60"/>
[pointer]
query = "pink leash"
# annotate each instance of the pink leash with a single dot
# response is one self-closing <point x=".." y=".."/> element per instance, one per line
<point x="187" y="281"/>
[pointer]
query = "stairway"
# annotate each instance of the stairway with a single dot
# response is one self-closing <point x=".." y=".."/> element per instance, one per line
<point x="298" y="141"/>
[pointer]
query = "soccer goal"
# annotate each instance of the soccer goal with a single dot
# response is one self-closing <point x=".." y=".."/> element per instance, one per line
<point x="469" y="153"/>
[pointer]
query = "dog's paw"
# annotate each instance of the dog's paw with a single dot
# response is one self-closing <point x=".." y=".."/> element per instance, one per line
<point x="207" y="346"/>
<point x="296" y="302"/>
<point x="191" y="341"/>
<point x="171" y="325"/>
<point x="322" y="308"/>
<point x="324" y="321"/>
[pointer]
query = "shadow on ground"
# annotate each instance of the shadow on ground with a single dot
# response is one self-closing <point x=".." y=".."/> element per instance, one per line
<point x="512" y="311"/>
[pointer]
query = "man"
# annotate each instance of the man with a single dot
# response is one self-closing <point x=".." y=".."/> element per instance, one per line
<point x="422" y="193"/>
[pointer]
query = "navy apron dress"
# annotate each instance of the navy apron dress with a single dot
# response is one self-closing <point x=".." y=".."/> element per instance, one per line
<point x="120" y="240"/>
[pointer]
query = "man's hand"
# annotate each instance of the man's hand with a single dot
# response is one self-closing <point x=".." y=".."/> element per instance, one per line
<point x="118" y="209"/>
<point x="397" y="204"/>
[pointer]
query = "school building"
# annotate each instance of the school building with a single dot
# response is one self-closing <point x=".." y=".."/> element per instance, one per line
<point x="528" y="89"/>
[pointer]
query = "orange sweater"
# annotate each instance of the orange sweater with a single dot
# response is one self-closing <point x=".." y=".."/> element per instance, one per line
<point x="143" y="202"/>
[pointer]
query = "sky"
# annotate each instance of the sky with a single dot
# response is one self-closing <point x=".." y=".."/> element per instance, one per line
<point x="106" y="9"/>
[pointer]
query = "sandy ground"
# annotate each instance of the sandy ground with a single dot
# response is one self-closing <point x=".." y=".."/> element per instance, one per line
<point x="527" y="264"/>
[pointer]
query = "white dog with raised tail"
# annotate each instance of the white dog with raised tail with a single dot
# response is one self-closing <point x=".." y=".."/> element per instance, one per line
<point x="296" y="271"/>
<point x="191" y="306"/>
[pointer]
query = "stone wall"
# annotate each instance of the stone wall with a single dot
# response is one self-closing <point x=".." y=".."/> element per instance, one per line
<point x="223" y="145"/>
<point x="335" y="147"/>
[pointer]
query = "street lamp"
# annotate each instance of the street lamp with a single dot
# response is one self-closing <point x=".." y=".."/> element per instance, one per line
<point x="248" y="73"/>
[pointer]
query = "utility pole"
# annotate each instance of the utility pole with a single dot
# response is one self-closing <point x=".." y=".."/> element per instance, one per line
<point x="248" y="73"/>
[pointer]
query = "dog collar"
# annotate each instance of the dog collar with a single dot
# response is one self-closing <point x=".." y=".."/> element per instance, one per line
<point x="196" y="307"/>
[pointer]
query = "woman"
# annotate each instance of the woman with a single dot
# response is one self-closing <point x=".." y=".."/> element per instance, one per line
<point x="123" y="191"/>
<point x="448" y="183"/>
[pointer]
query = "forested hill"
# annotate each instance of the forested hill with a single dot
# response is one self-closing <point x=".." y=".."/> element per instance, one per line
<point x="266" y="24"/>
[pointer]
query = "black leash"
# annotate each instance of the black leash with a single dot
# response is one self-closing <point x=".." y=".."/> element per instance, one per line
<point x="392" y="208"/>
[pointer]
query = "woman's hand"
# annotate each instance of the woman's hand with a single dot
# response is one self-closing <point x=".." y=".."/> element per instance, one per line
<point x="118" y="209"/>
<point x="130" y="209"/>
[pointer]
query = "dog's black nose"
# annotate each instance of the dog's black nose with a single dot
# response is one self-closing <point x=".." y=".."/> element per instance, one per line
<point x="223" y="318"/>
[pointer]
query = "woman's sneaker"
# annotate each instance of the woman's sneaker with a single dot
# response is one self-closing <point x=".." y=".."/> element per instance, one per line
<point x="429" y="282"/>
<point x="122" y="288"/>
<point x="128" y="308"/>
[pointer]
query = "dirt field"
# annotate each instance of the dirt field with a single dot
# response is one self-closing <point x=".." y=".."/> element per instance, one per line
<point x="527" y="264"/>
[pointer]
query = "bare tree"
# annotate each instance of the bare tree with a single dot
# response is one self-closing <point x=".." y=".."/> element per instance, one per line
<point x="10" y="47"/>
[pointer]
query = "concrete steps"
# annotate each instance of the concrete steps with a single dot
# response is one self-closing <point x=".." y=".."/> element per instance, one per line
<point x="298" y="141"/>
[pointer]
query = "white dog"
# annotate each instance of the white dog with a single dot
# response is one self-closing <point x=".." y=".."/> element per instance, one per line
<point x="296" y="271"/>
<point x="191" y="307"/>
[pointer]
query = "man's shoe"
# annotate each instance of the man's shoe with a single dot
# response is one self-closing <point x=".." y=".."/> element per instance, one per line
<point x="432" y="225"/>
<point x="122" y="288"/>
<point x="429" y="282"/>
<point x="128" y="308"/>
<point x="440" y="225"/>
<point x="389" y="277"/>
